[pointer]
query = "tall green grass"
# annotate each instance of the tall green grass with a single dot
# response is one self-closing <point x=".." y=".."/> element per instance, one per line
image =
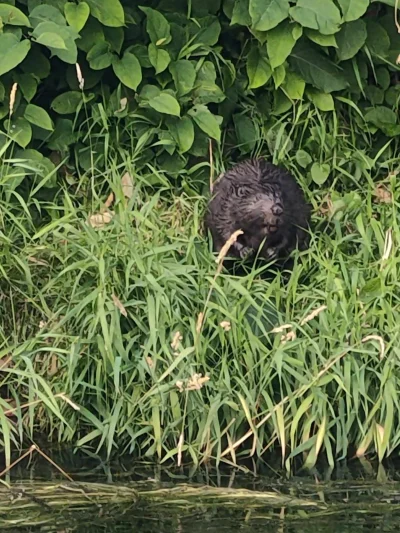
<point x="305" y="363"/>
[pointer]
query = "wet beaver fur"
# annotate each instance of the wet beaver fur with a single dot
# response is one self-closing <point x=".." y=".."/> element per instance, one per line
<point x="267" y="204"/>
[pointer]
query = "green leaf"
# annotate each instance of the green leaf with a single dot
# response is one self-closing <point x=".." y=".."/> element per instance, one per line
<point x="38" y="116"/>
<point x="351" y="39"/>
<point x="258" y="68"/>
<point x="115" y="37"/>
<point x="157" y="26"/>
<point x="323" y="16"/>
<point x="246" y="133"/>
<point x="62" y="136"/>
<point x="184" y="75"/>
<point x="266" y="14"/>
<point x="206" y="121"/>
<point x="322" y="101"/>
<point x="381" y="116"/>
<point x="128" y="70"/>
<point x="12" y="51"/>
<point x="51" y="40"/>
<point x="100" y="57"/>
<point x="67" y="103"/>
<point x="320" y="173"/>
<point x="240" y="13"/>
<point x="316" y="69"/>
<point x="69" y="54"/>
<point x="46" y="13"/>
<point x="182" y="131"/>
<point x="12" y="15"/>
<point x="280" y="42"/>
<point x="378" y="40"/>
<point x="108" y="12"/>
<point x="159" y="58"/>
<point x="2" y="92"/>
<point x="206" y="90"/>
<point x="28" y="85"/>
<point x="77" y="14"/>
<point x="303" y="158"/>
<point x="165" y="103"/>
<point x="322" y="40"/>
<point x="209" y="32"/>
<point x="353" y="9"/>
<point x="19" y="130"/>
<point x="293" y="86"/>
<point x="36" y="64"/>
<point x="279" y="75"/>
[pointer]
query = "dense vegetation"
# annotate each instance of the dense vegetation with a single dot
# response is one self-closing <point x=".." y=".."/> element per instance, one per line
<point x="118" y="330"/>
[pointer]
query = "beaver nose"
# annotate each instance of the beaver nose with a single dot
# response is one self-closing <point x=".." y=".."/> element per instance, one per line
<point x="277" y="209"/>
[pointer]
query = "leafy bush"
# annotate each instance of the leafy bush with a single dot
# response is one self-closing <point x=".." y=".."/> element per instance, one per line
<point x="98" y="76"/>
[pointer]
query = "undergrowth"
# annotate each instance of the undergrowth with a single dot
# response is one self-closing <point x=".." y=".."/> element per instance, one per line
<point x="100" y="340"/>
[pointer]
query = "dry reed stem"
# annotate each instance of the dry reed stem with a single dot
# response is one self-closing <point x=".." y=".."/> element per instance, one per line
<point x="13" y="95"/>
<point x="220" y="260"/>
<point x="81" y="79"/>
<point x="61" y="395"/>
<point x="381" y="343"/>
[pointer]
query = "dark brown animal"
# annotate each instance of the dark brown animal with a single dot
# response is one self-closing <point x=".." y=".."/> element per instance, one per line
<point x="266" y="203"/>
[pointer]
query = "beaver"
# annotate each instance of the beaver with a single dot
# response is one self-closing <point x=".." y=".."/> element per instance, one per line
<point x="266" y="203"/>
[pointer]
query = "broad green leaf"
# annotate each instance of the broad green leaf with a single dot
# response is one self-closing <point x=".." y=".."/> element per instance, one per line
<point x="12" y="15"/>
<point x="36" y="64"/>
<point x="353" y="9"/>
<point x="19" y="130"/>
<point x="279" y="75"/>
<point x="12" y="51"/>
<point x="100" y="57"/>
<point x="258" y="68"/>
<point x="38" y="116"/>
<point x="246" y="133"/>
<point x="383" y="77"/>
<point x="303" y="158"/>
<point x="2" y="92"/>
<point x="293" y="86"/>
<point x="319" y="38"/>
<point x="280" y="42"/>
<point x="91" y="34"/>
<point x="142" y="54"/>
<point x="315" y="68"/>
<point x="381" y="116"/>
<point x="378" y="40"/>
<point x="266" y="14"/>
<point x="108" y="12"/>
<point x="351" y="39"/>
<point x="115" y="38"/>
<point x="320" y="173"/>
<point x="128" y="70"/>
<point x="206" y="90"/>
<point x="165" y="103"/>
<point x="159" y="58"/>
<point x="240" y="13"/>
<point x="206" y="121"/>
<point x="62" y="136"/>
<point x="374" y="94"/>
<point x="46" y="13"/>
<point x="77" y="14"/>
<point x="67" y="103"/>
<point x="182" y="131"/>
<point x="157" y="26"/>
<point x="209" y="33"/>
<point x="322" y="101"/>
<point x="51" y="40"/>
<point x="319" y="15"/>
<point x="69" y="54"/>
<point x="184" y="75"/>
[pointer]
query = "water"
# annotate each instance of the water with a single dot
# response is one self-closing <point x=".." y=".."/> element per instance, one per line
<point x="356" y="498"/>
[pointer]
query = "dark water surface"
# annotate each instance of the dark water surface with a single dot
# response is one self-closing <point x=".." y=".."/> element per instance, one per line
<point x="354" y="498"/>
